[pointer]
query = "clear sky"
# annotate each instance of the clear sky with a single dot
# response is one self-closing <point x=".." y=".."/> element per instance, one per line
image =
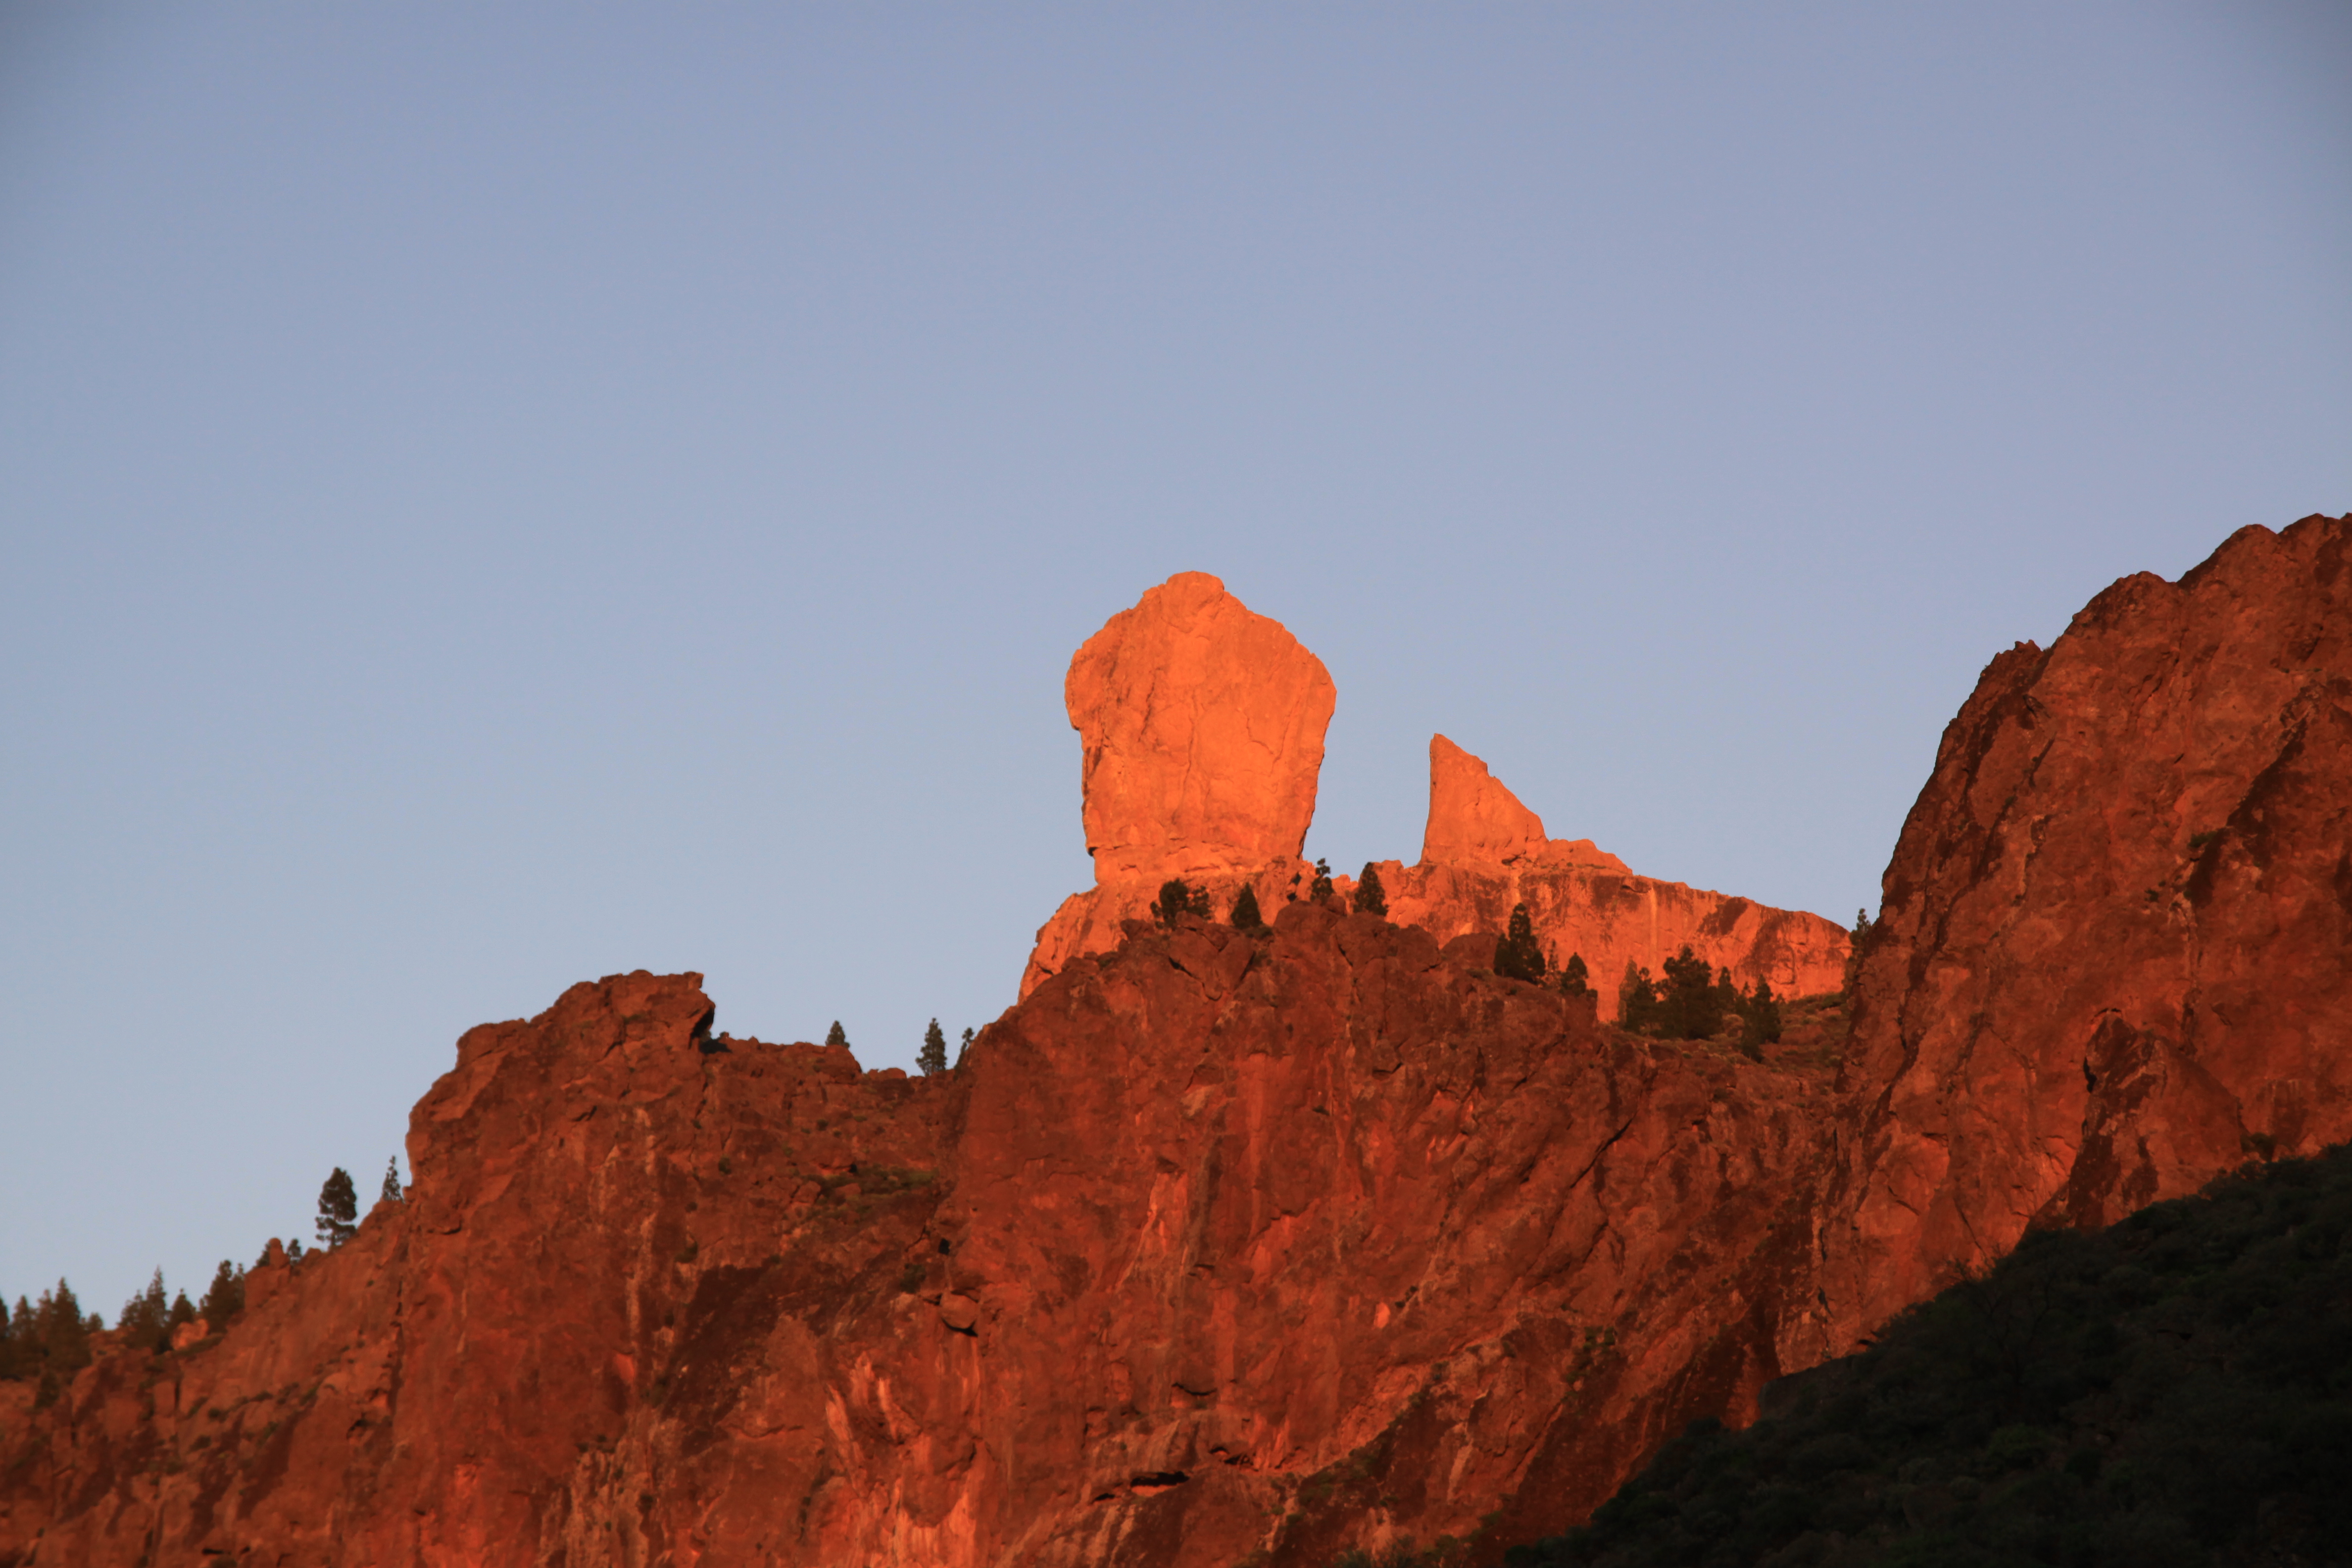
<point x="495" y="496"/>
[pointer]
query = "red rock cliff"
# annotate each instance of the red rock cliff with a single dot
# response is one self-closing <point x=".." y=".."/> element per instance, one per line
<point x="1221" y="1244"/>
<point x="2112" y="954"/>
<point x="1216" y="1245"/>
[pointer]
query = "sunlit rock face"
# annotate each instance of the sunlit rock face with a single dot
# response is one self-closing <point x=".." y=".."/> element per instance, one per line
<point x="1225" y="1247"/>
<point x="1471" y="816"/>
<point x="1484" y="854"/>
<point x="1216" y="1245"/>
<point x="1201" y="728"/>
<point x="2116" y="926"/>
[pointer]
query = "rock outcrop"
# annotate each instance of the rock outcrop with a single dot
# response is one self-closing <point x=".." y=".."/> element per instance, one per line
<point x="467" y="1380"/>
<point x="1222" y="1246"/>
<point x="2112" y="958"/>
<point x="1200" y="725"/>
<point x="1217" y="1245"/>
<point x="1484" y="853"/>
<point x="1471" y="816"/>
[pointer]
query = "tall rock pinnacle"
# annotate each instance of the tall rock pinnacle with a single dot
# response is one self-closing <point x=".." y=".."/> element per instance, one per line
<point x="1472" y="815"/>
<point x="1203" y="723"/>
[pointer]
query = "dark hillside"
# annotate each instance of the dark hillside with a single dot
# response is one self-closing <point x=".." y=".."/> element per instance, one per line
<point x="2176" y="1389"/>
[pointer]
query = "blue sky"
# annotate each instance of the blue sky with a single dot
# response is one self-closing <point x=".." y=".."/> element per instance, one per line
<point x="498" y="496"/>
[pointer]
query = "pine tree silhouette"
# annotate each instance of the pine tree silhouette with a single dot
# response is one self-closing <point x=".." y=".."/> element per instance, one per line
<point x="1692" y="1009"/>
<point x="339" y="1209"/>
<point x="1520" y="956"/>
<point x="1637" y="999"/>
<point x="1371" y="898"/>
<point x="1575" y="979"/>
<point x="933" y="1057"/>
<point x="1245" y="916"/>
<point x="225" y="1298"/>
<point x="835" y="1036"/>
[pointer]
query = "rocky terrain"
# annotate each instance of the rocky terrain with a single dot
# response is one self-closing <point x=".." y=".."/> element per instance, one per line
<point x="1224" y="1246"/>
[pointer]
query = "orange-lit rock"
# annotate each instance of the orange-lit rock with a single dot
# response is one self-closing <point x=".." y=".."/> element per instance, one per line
<point x="1215" y="1245"/>
<point x="1471" y="816"/>
<point x="1485" y="853"/>
<point x="2116" y="954"/>
<point x="1222" y="1248"/>
<point x="1201" y="728"/>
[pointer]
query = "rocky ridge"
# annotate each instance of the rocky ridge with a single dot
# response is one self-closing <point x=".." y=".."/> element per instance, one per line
<point x="1202" y="728"/>
<point x="1222" y="1247"/>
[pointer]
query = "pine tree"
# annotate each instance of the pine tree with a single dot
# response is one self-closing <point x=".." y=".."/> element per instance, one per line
<point x="1245" y="916"/>
<point x="1575" y="979"/>
<point x="933" y="1057"/>
<point x="1760" y="1019"/>
<point x="1637" y="999"/>
<point x="1319" y="891"/>
<point x="390" y="1192"/>
<point x="964" y="1048"/>
<point x="1177" y="898"/>
<point x="1519" y="955"/>
<point x="837" y="1037"/>
<point x="1691" y="1008"/>
<point x="52" y="1341"/>
<point x="1859" y="941"/>
<point x="339" y="1209"/>
<point x="223" y="1297"/>
<point x="1371" y="898"/>
<point x="142" y="1322"/>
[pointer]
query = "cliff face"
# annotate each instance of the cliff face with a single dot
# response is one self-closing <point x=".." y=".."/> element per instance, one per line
<point x="1219" y="1244"/>
<point x="1216" y="1245"/>
<point x="2113" y="951"/>
<point x="461" y="1383"/>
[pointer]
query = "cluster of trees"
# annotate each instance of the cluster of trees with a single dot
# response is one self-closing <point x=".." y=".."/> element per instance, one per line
<point x="339" y="1205"/>
<point x="930" y="1057"/>
<point x="50" y="1340"/>
<point x="1178" y="898"/>
<point x="2174" y="1390"/>
<point x="1692" y="1002"/>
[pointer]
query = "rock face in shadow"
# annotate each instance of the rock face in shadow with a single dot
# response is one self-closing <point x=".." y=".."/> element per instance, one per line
<point x="2112" y="954"/>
